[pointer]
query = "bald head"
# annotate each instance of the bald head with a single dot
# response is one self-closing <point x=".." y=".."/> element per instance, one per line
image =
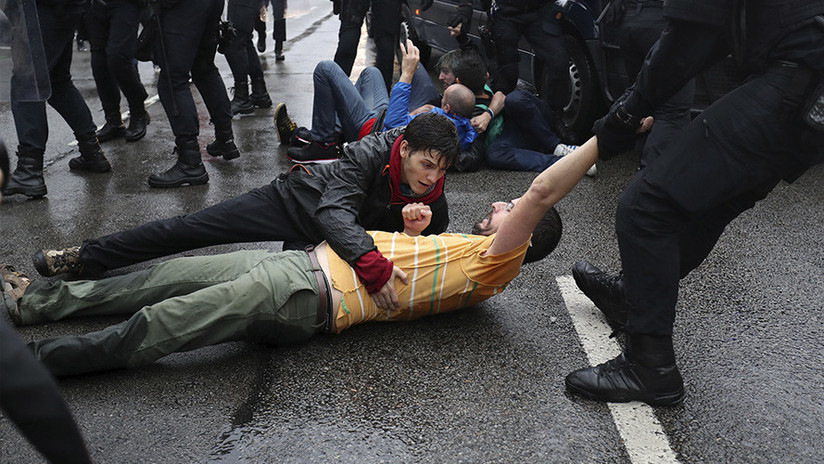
<point x="458" y="99"/>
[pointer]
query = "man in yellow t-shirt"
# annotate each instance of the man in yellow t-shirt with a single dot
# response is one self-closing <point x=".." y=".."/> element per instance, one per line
<point x="286" y="298"/>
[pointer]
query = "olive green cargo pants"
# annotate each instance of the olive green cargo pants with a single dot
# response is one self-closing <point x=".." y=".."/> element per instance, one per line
<point x="178" y="305"/>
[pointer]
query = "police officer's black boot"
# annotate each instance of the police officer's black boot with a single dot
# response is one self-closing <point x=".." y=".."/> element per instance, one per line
<point x="138" y="123"/>
<point x="91" y="157"/>
<point x="260" y="96"/>
<point x="605" y="291"/>
<point x="241" y="104"/>
<point x="646" y="372"/>
<point x="224" y="144"/>
<point x="188" y="170"/>
<point x="113" y="129"/>
<point x="27" y="178"/>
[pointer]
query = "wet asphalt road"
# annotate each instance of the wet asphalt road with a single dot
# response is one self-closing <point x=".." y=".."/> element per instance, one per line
<point x="482" y="385"/>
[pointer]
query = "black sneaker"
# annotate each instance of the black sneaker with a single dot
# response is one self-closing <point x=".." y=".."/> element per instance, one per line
<point x="315" y="152"/>
<point x="284" y="124"/>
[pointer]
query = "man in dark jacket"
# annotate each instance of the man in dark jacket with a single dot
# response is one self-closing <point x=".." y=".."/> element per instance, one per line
<point x="366" y="189"/>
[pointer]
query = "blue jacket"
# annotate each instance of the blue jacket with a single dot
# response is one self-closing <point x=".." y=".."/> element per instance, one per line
<point x="397" y="114"/>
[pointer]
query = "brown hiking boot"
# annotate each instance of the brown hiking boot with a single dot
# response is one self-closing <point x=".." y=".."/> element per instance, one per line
<point x="49" y="263"/>
<point x="13" y="285"/>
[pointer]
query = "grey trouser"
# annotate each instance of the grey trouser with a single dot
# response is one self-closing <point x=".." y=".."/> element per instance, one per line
<point x="178" y="305"/>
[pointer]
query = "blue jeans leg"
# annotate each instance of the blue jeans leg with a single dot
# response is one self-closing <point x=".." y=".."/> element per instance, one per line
<point x="336" y="99"/>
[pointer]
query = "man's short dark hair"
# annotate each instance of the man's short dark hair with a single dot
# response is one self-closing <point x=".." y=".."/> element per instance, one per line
<point x="432" y="131"/>
<point x="470" y="69"/>
<point x="545" y="237"/>
<point x="4" y="165"/>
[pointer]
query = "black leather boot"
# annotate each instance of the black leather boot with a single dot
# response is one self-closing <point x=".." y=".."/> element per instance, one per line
<point x="91" y="157"/>
<point x="646" y="372"/>
<point x="224" y="144"/>
<point x="240" y="101"/>
<point x="188" y="170"/>
<point x="605" y="291"/>
<point x="260" y="96"/>
<point x="27" y="179"/>
<point x="138" y="122"/>
<point x="113" y="129"/>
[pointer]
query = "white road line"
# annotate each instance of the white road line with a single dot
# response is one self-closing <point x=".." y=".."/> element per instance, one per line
<point x="643" y="436"/>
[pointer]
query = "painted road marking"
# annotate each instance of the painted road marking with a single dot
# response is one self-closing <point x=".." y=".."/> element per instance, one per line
<point x="643" y="436"/>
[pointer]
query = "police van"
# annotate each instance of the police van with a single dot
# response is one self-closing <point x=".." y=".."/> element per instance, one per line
<point x="596" y="69"/>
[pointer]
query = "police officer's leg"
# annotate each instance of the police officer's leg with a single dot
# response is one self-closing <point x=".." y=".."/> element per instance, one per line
<point x="182" y="28"/>
<point x="241" y="14"/>
<point x="545" y="35"/>
<point x="386" y="20"/>
<point x="98" y="25"/>
<point x="506" y="36"/>
<point x="726" y="159"/>
<point x="351" y="21"/>
<point x="122" y="38"/>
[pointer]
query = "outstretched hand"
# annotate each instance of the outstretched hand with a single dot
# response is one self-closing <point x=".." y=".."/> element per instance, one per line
<point x="387" y="298"/>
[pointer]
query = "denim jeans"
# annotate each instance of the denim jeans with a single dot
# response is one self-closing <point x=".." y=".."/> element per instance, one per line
<point x="527" y="140"/>
<point x="340" y="106"/>
<point x="178" y="305"/>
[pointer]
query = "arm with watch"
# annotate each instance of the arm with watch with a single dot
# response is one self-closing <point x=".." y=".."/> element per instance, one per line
<point x="496" y="105"/>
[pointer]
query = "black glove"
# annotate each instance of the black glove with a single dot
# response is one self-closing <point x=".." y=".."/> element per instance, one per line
<point x="616" y="131"/>
<point x="462" y="16"/>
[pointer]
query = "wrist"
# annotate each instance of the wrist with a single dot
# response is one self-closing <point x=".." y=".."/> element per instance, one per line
<point x="490" y="113"/>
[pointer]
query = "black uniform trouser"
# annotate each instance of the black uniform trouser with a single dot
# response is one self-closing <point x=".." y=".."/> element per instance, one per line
<point x="30" y="397"/>
<point x="242" y="55"/>
<point x="641" y="26"/>
<point x="190" y="37"/>
<point x="112" y="32"/>
<point x="673" y="212"/>
<point x="386" y="19"/>
<point x="543" y="32"/>
<point x="256" y="216"/>
<point x="30" y="117"/>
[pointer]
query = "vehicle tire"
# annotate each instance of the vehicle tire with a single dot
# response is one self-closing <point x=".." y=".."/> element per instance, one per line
<point x="584" y="102"/>
<point x="407" y="29"/>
